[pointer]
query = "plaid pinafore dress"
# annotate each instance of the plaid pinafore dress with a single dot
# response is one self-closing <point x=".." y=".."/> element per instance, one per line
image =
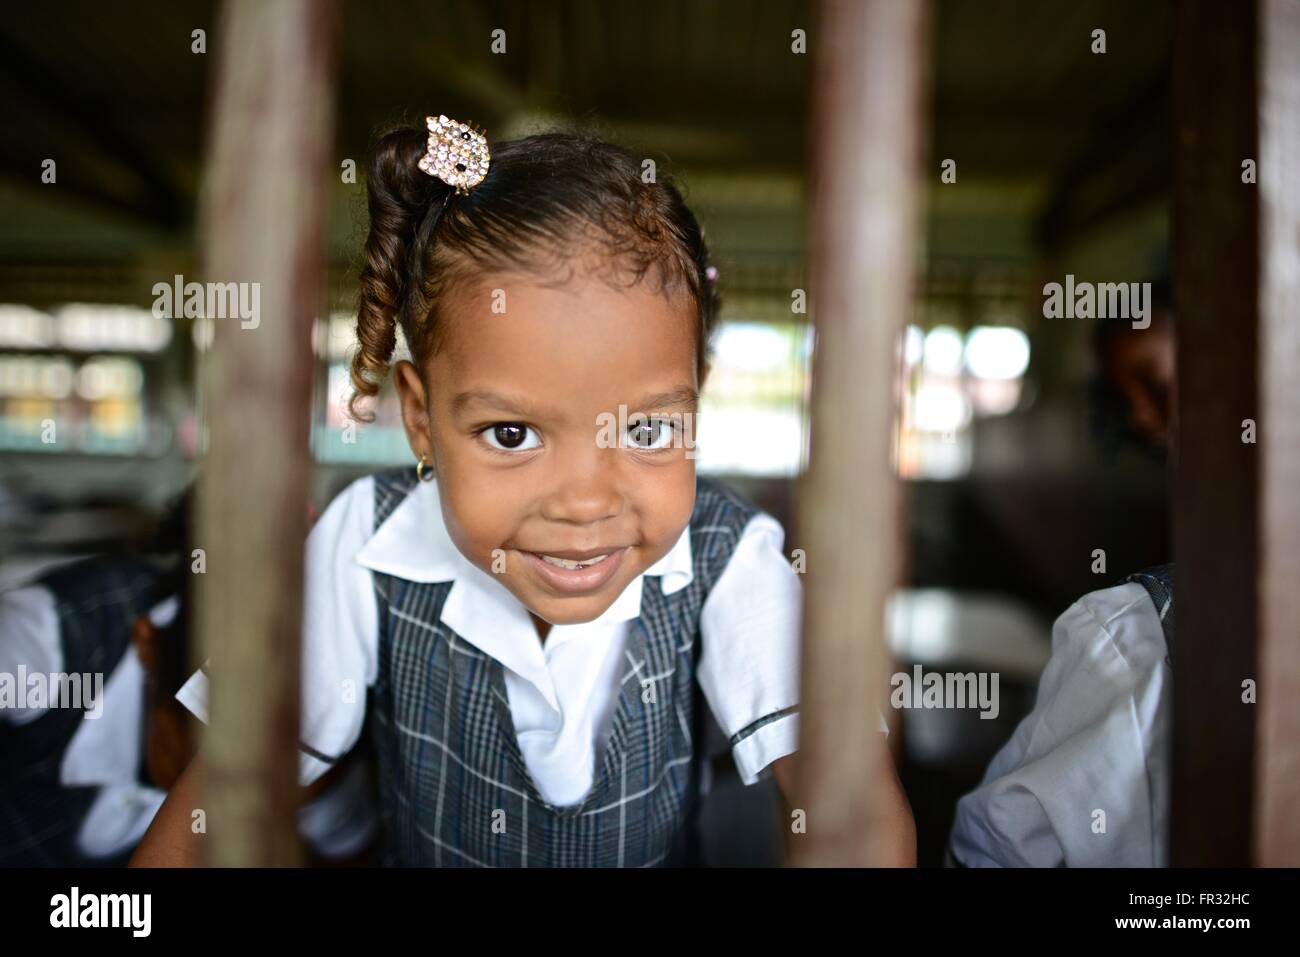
<point x="453" y="786"/>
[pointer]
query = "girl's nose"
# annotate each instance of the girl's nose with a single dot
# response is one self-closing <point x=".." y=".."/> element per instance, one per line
<point x="586" y="490"/>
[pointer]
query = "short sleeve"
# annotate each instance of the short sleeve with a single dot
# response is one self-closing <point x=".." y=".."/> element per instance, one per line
<point x="749" y="663"/>
<point x="339" y="638"/>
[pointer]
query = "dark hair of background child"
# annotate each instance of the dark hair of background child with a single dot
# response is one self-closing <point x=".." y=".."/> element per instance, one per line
<point x="1107" y="408"/>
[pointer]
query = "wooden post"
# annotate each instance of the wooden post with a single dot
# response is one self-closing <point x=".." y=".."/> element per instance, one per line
<point x="263" y="224"/>
<point x="1215" y="234"/>
<point x="1277" y="765"/>
<point x="867" y="129"/>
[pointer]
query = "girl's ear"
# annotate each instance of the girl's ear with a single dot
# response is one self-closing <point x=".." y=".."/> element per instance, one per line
<point x="415" y="408"/>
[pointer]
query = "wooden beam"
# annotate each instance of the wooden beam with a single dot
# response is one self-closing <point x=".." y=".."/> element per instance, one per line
<point x="867" y="128"/>
<point x="1215" y="272"/>
<point x="154" y="198"/>
<point x="1277" y="764"/>
<point x="263" y="222"/>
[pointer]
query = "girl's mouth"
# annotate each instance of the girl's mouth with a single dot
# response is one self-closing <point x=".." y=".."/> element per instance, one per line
<point x="577" y="575"/>
<point x="566" y="563"/>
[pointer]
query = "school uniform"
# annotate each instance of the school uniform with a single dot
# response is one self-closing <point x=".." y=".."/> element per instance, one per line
<point x="1084" y="779"/>
<point x="495" y="749"/>
<point x="74" y="790"/>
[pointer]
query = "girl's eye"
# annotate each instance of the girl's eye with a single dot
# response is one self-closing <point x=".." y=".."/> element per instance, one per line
<point x="510" y="437"/>
<point x="651" y="434"/>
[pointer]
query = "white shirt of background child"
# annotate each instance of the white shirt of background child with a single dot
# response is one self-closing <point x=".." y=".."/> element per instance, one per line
<point x="1084" y="780"/>
<point x="106" y="752"/>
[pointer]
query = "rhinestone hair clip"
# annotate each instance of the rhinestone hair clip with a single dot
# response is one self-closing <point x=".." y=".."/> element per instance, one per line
<point x="457" y="153"/>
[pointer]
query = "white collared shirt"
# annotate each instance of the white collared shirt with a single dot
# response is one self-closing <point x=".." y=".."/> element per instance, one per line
<point x="105" y="752"/>
<point x="562" y="693"/>
<point x="1084" y="780"/>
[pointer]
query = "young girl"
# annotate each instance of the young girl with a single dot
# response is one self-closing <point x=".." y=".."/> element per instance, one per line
<point x="524" y="614"/>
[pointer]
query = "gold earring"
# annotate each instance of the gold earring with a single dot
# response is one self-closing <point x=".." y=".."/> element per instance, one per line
<point x="419" y="470"/>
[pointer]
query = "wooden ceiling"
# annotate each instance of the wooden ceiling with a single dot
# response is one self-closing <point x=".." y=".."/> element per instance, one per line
<point x="1053" y="134"/>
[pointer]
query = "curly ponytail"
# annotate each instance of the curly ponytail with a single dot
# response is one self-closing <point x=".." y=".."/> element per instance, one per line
<point x="400" y="198"/>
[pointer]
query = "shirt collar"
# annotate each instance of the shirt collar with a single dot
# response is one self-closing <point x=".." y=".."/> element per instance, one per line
<point x="413" y="544"/>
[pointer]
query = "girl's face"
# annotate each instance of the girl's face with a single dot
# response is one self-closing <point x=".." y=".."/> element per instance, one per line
<point x="521" y="421"/>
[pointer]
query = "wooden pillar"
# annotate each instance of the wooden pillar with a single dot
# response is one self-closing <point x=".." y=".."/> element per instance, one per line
<point x="263" y="223"/>
<point x="1215" y="234"/>
<point x="1215" y="262"/>
<point x="1277" y="765"/>
<point x="866" y="144"/>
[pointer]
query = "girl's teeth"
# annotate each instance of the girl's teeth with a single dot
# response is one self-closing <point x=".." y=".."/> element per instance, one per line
<point x="566" y="563"/>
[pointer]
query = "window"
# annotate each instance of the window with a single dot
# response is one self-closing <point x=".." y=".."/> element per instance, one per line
<point x="81" y="378"/>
